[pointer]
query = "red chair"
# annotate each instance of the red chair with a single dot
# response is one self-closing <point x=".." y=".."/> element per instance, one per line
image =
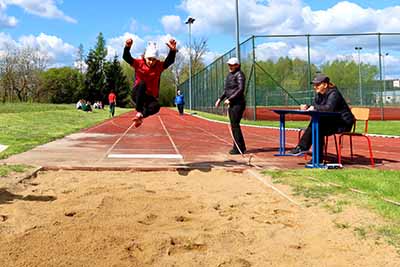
<point x="361" y="115"/>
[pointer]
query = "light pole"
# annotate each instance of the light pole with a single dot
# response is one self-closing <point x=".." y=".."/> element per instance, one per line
<point x="190" y="21"/>
<point x="237" y="31"/>
<point x="358" y="49"/>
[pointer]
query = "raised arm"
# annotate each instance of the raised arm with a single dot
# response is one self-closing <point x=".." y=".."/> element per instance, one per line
<point x="127" y="54"/>
<point x="171" y="55"/>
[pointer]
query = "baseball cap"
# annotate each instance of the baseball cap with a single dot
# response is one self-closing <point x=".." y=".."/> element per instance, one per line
<point x="233" y="61"/>
<point x="319" y="78"/>
<point x="151" y="51"/>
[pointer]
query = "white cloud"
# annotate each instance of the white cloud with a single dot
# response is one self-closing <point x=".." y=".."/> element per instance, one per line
<point x="42" y="8"/>
<point x="173" y="24"/>
<point x="6" y="21"/>
<point x="134" y="26"/>
<point x="288" y="17"/>
<point x="52" y="47"/>
<point x="115" y="46"/>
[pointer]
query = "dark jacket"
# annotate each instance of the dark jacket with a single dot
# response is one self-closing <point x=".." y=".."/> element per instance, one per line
<point x="333" y="101"/>
<point x="234" y="87"/>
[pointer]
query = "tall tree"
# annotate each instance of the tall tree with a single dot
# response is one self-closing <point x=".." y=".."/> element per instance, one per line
<point x="59" y="85"/>
<point x="116" y="80"/>
<point x="95" y="81"/>
<point x="80" y="59"/>
<point x="20" y="70"/>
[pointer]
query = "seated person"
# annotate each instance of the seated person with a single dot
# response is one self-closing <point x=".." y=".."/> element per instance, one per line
<point x="327" y="98"/>
<point x="79" y="104"/>
<point x="86" y="106"/>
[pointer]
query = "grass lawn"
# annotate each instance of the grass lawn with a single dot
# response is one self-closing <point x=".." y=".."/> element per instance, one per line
<point x="374" y="127"/>
<point x="376" y="185"/>
<point x="7" y="169"/>
<point x="25" y="126"/>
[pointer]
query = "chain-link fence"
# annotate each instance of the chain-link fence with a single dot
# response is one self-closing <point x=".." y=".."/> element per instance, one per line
<point x="279" y="68"/>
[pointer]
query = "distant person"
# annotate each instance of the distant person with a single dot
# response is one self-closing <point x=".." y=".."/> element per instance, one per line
<point x="79" y="104"/>
<point x="327" y="98"/>
<point x="112" y="101"/>
<point x="179" y="101"/>
<point x="233" y="96"/>
<point x="87" y="106"/>
<point x="148" y="71"/>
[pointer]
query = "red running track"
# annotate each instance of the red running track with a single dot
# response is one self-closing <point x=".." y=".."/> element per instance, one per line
<point x="200" y="144"/>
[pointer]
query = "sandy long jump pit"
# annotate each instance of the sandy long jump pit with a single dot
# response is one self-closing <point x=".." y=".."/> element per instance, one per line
<point x="215" y="218"/>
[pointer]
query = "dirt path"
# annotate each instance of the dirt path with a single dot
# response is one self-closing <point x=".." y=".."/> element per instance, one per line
<point x="212" y="218"/>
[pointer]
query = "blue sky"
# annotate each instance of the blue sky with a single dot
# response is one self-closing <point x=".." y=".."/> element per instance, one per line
<point x="57" y="27"/>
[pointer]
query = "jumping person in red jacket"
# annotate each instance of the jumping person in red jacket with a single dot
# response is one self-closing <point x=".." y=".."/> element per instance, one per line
<point x="148" y="71"/>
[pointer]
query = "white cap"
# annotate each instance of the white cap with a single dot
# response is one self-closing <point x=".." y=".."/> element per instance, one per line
<point x="233" y="61"/>
<point x="151" y="51"/>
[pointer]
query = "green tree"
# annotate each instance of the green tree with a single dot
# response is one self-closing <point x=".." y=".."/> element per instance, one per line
<point x="95" y="79"/>
<point x="167" y="88"/>
<point x="80" y="59"/>
<point x="59" y="85"/>
<point x="345" y="74"/>
<point x="116" y="80"/>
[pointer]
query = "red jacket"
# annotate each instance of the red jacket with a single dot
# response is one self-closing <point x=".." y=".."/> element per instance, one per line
<point x="150" y="76"/>
<point x="111" y="98"/>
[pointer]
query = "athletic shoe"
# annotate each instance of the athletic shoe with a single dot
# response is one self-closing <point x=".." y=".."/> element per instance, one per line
<point x="297" y="151"/>
<point x="137" y="121"/>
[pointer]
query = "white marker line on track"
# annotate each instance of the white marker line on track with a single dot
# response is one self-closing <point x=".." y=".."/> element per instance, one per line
<point x="170" y="138"/>
<point x="116" y="142"/>
<point x="145" y="156"/>
<point x="257" y="176"/>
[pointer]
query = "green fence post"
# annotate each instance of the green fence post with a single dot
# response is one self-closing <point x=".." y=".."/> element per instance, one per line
<point x="309" y="66"/>
<point x="380" y="76"/>
<point x="253" y="66"/>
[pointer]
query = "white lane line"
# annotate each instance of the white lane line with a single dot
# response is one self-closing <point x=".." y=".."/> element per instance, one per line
<point x="261" y="179"/>
<point x="145" y="156"/>
<point x="2" y="148"/>
<point x="170" y="138"/>
<point x="116" y="142"/>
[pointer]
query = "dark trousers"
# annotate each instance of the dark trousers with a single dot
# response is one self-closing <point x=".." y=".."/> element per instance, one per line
<point x="235" y="115"/>
<point x="112" y="108"/>
<point x="146" y="104"/>
<point x="327" y="127"/>
<point x="180" y="108"/>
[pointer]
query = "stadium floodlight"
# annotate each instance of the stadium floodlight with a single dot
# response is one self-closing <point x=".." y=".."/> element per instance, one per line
<point x="189" y="22"/>
<point x="237" y="31"/>
<point x="358" y="49"/>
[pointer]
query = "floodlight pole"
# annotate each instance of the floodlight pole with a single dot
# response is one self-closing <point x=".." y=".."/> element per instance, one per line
<point x="190" y="21"/>
<point x="358" y="49"/>
<point x="237" y="31"/>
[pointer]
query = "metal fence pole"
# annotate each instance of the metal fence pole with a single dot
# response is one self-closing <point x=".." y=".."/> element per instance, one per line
<point x="309" y="66"/>
<point x="380" y="75"/>
<point x="253" y="65"/>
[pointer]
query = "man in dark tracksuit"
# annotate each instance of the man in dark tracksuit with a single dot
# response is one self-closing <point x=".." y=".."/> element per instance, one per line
<point x="234" y="97"/>
<point x="148" y="71"/>
<point x="327" y="98"/>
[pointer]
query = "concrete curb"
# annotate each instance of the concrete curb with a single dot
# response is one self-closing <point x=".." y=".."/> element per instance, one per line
<point x="29" y="175"/>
